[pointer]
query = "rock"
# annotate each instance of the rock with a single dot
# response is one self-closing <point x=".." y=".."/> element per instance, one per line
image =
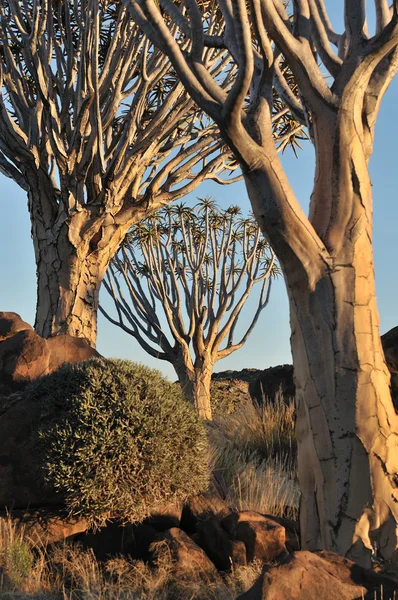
<point x="292" y="529"/>
<point x="219" y="547"/>
<point x="190" y="561"/>
<point x="230" y="522"/>
<point x="264" y="538"/>
<point x="44" y="526"/>
<point x="273" y="381"/>
<point x="390" y="347"/>
<point x="314" y="576"/>
<point x="23" y="357"/>
<point x="68" y="349"/>
<point x="264" y="541"/>
<point x="116" y="538"/>
<point x="10" y="324"/>
<point x="20" y="485"/>
<point x="166" y="517"/>
<point x="202" y="508"/>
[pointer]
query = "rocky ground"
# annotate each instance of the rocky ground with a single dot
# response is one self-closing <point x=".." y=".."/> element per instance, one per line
<point x="205" y="538"/>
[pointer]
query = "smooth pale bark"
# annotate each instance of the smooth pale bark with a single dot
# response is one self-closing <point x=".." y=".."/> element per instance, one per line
<point x="195" y="383"/>
<point x="347" y="428"/>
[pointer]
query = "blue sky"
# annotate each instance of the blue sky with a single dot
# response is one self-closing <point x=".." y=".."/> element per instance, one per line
<point x="269" y="343"/>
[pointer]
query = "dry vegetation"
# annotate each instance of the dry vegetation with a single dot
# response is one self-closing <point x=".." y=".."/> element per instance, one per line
<point x="253" y="459"/>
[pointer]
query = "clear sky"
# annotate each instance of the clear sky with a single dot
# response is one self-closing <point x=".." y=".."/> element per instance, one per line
<point x="269" y="343"/>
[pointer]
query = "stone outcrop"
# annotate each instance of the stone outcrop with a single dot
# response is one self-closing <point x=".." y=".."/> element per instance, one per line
<point x="45" y="526"/>
<point x="257" y="385"/>
<point x="10" y="324"/>
<point x="189" y="560"/>
<point x="25" y="356"/>
<point x="390" y="347"/>
<point x="323" y="575"/>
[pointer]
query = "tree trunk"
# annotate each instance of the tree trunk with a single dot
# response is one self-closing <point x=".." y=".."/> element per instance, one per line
<point x="347" y="428"/>
<point x="72" y="255"/>
<point x="195" y="384"/>
<point x="68" y="283"/>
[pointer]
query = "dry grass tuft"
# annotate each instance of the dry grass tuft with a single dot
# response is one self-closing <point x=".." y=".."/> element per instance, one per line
<point x="254" y="457"/>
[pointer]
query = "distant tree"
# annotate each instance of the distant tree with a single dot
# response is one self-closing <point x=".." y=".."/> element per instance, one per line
<point x="198" y="266"/>
<point x="347" y="427"/>
<point x="98" y="130"/>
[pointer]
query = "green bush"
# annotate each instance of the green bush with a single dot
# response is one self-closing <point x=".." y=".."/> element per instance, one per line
<point x="118" y="440"/>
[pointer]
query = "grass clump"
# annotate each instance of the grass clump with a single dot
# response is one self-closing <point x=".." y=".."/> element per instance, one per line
<point x="254" y="457"/>
<point x="118" y="439"/>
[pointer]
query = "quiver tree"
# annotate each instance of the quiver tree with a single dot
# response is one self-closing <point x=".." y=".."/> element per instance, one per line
<point x="198" y="267"/>
<point x="347" y="428"/>
<point x="95" y="126"/>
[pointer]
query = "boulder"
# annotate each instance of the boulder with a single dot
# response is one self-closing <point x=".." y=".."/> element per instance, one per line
<point x="292" y="530"/>
<point x="190" y="561"/>
<point x="273" y="381"/>
<point x="45" y="526"/>
<point x="264" y="538"/>
<point x="117" y="538"/>
<point x="20" y="485"/>
<point x="68" y="349"/>
<point x="10" y="324"/>
<point x="390" y="347"/>
<point x="202" y="508"/>
<point x="323" y="575"/>
<point x="23" y="357"/>
<point x="219" y="547"/>
<point x="165" y="517"/>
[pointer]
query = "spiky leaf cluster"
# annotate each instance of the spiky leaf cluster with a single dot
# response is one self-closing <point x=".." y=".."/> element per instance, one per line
<point x="198" y="266"/>
<point x="118" y="440"/>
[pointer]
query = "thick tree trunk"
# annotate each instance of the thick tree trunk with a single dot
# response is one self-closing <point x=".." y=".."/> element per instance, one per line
<point x="68" y="284"/>
<point x="346" y="423"/>
<point x="347" y="428"/>
<point x="72" y="255"/>
<point x="195" y="384"/>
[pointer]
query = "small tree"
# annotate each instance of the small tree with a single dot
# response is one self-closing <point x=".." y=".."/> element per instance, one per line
<point x="199" y="267"/>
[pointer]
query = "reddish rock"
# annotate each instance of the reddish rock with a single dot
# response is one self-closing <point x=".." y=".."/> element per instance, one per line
<point x="219" y="547"/>
<point x="116" y="538"/>
<point x="202" y="508"/>
<point x="190" y="561"/>
<point x="10" y="324"/>
<point x="292" y="529"/>
<point x="264" y="540"/>
<point x="314" y="576"/>
<point x="20" y="486"/>
<point x="68" y="349"/>
<point x="23" y="357"/>
<point x="45" y="526"/>
<point x="165" y="517"/>
<point x="390" y="346"/>
<point x="230" y="522"/>
<point x="263" y="537"/>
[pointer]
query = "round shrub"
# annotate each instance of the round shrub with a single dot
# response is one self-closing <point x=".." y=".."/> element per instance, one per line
<point x="118" y="440"/>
